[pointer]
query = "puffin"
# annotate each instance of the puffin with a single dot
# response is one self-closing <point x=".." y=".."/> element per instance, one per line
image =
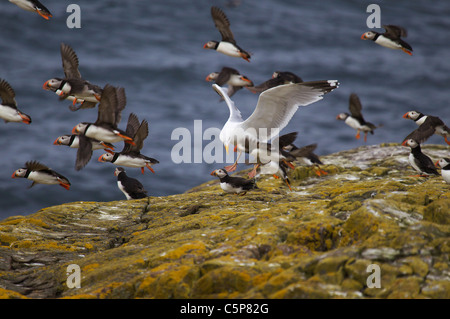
<point x="233" y="184"/>
<point x="355" y="119"/>
<point x="8" y="108"/>
<point x="41" y="174"/>
<point x="33" y="6"/>
<point x="73" y="86"/>
<point x="231" y="77"/>
<point x="278" y="78"/>
<point x="391" y="38"/>
<point x="131" y="187"/>
<point x="306" y="155"/>
<point x="84" y="152"/>
<point x="428" y="125"/>
<point x="227" y="45"/>
<point x="444" y="164"/>
<point x="130" y="156"/>
<point x="418" y="160"/>
<point x="105" y="128"/>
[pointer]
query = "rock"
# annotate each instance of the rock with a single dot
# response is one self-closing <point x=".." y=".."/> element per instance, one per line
<point x="321" y="240"/>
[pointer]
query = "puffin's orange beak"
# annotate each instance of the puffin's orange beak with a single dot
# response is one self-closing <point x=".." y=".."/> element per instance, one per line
<point x="14" y="175"/>
<point x="100" y="159"/>
<point x="213" y="173"/>
<point x="45" y="85"/>
<point x="437" y="164"/>
<point x="56" y="142"/>
<point x="75" y="131"/>
<point x="406" y="116"/>
<point x="363" y="37"/>
<point x="404" y="143"/>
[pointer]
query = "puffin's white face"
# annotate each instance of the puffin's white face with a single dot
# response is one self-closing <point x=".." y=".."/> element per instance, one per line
<point x="442" y="162"/>
<point x="413" y="115"/>
<point x="52" y="84"/>
<point x="410" y="142"/>
<point x="107" y="157"/>
<point x="275" y="75"/>
<point x="219" y="173"/>
<point x="210" y="45"/>
<point x="342" y="116"/>
<point x="118" y="170"/>
<point x="19" y="173"/>
<point x="369" y="35"/>
<point x="212" y="76"/>
<point x="80" y="128"/>
<point x="62" y="140"/>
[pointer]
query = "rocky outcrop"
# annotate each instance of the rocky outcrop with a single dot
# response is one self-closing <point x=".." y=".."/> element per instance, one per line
<point x="330" y="237"/>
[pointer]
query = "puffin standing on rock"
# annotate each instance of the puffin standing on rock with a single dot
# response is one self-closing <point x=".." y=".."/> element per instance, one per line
<point x="131" y="187"/>
<point x="228" y="44"/>
<point x="41" y="174"/>
<point x="419" y="161"/>
<point x="390" y="39"/>
<point x="233" y="184"/>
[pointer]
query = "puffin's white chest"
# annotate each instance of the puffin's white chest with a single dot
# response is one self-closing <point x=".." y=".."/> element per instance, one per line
<point x="353" y="123"/>
<point x="26" y="5"/>
<point x="228" y="49"/>
<point x="122" y="188"/>
<point x="9" y="114"/>
<point x="42" y="178"/>
<point x="230" y="189"/>
<point x="102" y="134"/>
<point x="388" y="43"/>
<point x="412" y="161"/>
<point x="446" y="175"/>
<point x="130" y="161"/>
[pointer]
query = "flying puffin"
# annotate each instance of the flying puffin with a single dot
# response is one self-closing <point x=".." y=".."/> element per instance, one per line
<point x="130" y="156"/>
<point x="278" y="78"/>
<point x="41" y="174"/>
<point x="84" y="150"/>
<point x="444" y="164"/>
<point x="227" y="45"/>
<point x="306" y="155"/>
<point x="390" y="39"/>
<point x="33" y="6"/>
<point x="428" y="125"/>
<point x="231" y="77"/>
<point x="233" y="184"/>
<point x="73" y="86"/>
<point x="131" y="187"/>
<point x="355" y="119"/>
<point x="8" y="108"/>
<point x="419" y="161"/>
<point x="105" y="129"/>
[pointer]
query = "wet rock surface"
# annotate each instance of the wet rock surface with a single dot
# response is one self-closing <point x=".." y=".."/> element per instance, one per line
<point x="319" y="241"/>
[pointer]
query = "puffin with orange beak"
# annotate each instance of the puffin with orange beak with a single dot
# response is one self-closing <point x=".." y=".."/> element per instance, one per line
<point x="41" y="174"/>
<point x="428" y="125"/>
<point x="105" y="128"/>
<point x="231" y="77"/>
<point x="73" y="86"/>
<point x="227" y="45"/>
<point x="390" y="39"/>
<point x="420" y="161"/>
<point x="131" y="156"/>
<point x="444" y="164"/>
<point x="33" y="6"/>
<point x="8" y="108"/>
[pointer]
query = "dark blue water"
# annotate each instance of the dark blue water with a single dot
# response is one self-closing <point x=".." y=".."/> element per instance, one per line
<point x="154" y="50"/>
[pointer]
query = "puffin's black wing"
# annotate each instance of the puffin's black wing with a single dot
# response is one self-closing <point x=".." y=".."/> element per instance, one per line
<point x="84" y="152"/>
<point x="355" y="107"/>
<point x="7" y="94"/>
<point x="222" y="24"/>
<point x="224" y="75"/>
<point x="69" y="62"/>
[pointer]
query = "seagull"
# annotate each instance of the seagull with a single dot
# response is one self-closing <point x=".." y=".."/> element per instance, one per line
<point x="274" y="110"/>
<point x="390" y="39"/>
<point x="33" y="6"/>
<point x="73" y="86"/>
<point x="227" y="45"/>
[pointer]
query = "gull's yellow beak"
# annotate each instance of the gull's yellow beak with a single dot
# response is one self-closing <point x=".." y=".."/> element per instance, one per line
<point x="226" y="148"/>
